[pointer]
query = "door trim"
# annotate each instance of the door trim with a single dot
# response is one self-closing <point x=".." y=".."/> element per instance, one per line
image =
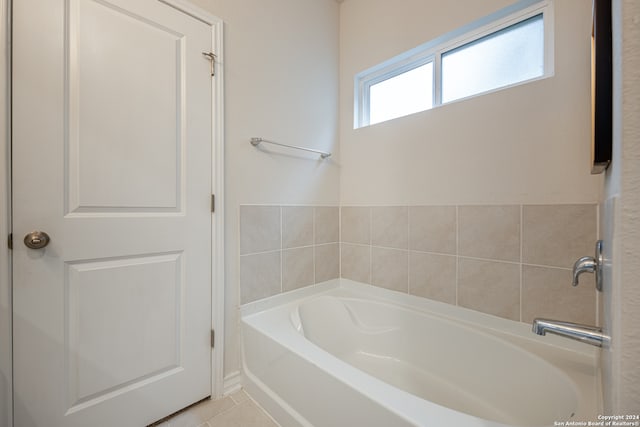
<point x="6" y="365"/>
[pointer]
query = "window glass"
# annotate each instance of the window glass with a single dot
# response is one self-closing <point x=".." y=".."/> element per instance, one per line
<point x="509" y="56"/>
<point x="403" y="94"/>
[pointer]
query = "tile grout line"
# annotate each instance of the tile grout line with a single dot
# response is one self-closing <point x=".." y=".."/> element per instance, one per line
<point x="235" y="405"/>
<point x="432" y="253"/>
<point x="521" y="252"/>
<point x="408" y="250"/>
<point x="553" y="267"/>
<point x="261" y="409"/>
<point x="231" y="397"/>
<point x="313" y="233"/>
<point x="281" y="253"/>
<point x="321" y="244"/>
<point x="457" y="252"/>
<point x="239" y="254"/>
<point x="296" y="248"/>
<point x="272" y="251"/>
<point x="370" y="245"/>
<point x="498" y="261"/>
<point x="340" y="242"/>
<point x="299" y="247"/>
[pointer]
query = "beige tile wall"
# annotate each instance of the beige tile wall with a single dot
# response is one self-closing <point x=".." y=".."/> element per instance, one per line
<point x="287" y="247"/>
<point x="512" y="261"/>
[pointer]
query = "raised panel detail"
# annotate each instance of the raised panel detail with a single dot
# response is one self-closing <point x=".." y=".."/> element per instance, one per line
<point x="122" y="323"/>
<point x="124" y="110"/>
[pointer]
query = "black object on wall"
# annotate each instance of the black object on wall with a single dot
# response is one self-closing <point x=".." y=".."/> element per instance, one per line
<point x="601" y="87"/>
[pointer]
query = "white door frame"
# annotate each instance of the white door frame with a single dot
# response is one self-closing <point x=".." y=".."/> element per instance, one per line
<point x="6" y="389"/>
<point x="217" y="185"/>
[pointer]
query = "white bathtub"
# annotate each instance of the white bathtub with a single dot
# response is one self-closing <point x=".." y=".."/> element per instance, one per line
<point x="347" y="354"/>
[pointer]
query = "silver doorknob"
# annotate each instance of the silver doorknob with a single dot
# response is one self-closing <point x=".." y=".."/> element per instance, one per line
<point x="36" y="240"/>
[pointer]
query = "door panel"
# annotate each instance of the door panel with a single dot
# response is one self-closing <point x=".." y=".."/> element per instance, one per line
<point x="112" y="158"/>
<point x="135" y="302"/>
<point x="135" y="165"/>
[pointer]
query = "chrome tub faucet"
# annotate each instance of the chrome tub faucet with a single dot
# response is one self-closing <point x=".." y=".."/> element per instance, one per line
<point x="587" y="334"/>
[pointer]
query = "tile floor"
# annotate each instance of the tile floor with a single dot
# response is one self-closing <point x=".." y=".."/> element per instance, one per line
<point x="235" y="410"/>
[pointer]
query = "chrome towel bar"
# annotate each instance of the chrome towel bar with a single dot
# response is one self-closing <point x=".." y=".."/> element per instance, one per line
<point x="256" y="141"/>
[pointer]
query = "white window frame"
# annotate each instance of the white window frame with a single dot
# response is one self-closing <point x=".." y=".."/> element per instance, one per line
<point x="434" y="49"/>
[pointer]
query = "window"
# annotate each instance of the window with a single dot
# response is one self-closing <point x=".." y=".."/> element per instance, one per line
<point x="509" y="56"/>
<point x="510" y="47"/>
<point x="402" y="94"/>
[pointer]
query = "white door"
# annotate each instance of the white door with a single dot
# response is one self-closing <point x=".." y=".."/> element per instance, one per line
<point x="111" y="158"/>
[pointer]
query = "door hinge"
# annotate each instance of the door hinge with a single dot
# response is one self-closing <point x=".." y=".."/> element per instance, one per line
<point x="10" y="241"/>
<point x="213" y="338"/>
<point x="213" y="203"/>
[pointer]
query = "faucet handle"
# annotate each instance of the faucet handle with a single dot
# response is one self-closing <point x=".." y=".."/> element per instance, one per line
<point x="589" y="264"/>
<point x="586" y="264"/>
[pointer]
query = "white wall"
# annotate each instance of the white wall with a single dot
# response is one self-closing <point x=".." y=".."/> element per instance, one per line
<point x="281" y="83"/>
<point x="528" y="144"/>
<point x="5" y="276"/>
<point x="621" y="365"/>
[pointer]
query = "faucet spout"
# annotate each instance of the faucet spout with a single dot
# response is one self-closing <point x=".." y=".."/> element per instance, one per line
<point x="584" y="333"/>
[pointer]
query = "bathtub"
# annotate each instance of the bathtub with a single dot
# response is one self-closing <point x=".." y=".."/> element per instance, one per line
<point x="347" y="354"/>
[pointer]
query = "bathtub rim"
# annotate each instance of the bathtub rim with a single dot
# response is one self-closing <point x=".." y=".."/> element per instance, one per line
<point x="472" y="318"/>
